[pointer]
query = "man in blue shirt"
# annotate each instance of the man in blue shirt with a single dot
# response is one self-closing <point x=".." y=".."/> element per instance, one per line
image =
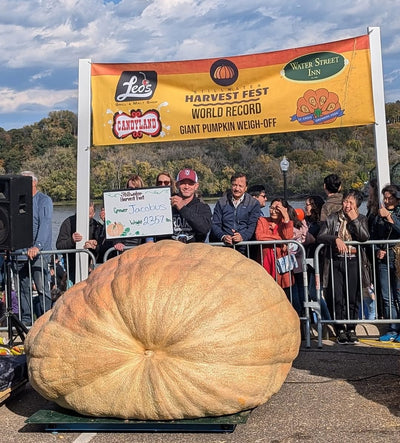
<point x="42" y="211"/>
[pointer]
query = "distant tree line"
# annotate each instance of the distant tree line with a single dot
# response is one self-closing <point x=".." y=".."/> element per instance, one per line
<point x="49" y="148"/>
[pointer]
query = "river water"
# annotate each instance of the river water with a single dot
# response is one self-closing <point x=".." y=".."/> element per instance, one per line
<point x="60" y="213"/>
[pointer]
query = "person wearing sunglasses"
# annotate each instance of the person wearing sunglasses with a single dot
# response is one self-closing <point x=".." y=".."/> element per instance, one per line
<point x="258" y="192"/>
<point x="164" y="178"/>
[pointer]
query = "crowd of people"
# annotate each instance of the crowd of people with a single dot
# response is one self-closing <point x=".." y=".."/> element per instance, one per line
<point x="238" y="217"/>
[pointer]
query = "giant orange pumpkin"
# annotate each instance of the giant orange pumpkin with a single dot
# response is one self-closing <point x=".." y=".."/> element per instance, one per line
<point x="166" y="331"/>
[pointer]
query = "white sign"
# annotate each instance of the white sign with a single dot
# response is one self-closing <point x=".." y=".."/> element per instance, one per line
<point x="138" y="212"/>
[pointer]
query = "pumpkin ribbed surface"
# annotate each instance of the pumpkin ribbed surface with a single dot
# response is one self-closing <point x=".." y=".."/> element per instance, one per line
<point x="166" y="331"/>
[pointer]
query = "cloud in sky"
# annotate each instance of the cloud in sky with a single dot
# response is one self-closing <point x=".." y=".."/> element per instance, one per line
<point x="41" y="41"/>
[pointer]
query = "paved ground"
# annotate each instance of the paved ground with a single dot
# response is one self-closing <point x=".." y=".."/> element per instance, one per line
<point x="334" y="394"/>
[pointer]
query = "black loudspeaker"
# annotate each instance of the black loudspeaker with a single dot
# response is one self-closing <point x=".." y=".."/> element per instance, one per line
<point x="16" y="220"/>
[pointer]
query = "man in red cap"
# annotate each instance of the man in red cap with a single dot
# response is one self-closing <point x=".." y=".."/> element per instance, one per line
<point x="191" y="217"/>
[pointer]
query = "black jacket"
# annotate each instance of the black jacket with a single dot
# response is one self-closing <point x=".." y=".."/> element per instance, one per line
<point x="381" y="229"/>
<point x="192" y="223"/>
<point x="65" y="241"/>
<point x="358" y="229"/>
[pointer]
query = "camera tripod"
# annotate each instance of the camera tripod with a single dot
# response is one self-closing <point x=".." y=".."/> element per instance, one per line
<point x="13" y="322"/>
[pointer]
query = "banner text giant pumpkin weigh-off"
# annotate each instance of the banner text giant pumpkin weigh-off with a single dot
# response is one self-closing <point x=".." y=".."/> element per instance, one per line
<point x="314" y="87"/>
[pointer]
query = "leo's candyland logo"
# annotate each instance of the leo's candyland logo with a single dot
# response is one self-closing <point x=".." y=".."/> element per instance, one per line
<point x="136" y="124"/>
<point x="135" y="86"/>
<point x="317" y="107"/>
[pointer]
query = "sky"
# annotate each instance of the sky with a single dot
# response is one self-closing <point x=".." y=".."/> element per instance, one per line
<point x="41" y="41"/>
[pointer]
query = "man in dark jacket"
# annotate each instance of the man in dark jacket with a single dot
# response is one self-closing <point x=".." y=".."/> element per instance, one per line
<point x="191" y="217"/>
<point x="68" y="237"/>
<point x="235" y="214"/>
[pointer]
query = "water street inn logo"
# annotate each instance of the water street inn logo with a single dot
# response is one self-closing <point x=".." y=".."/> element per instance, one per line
<point x="318" y="106"/>
<point x="315" y="66"/>
<point x="223" y="72"/>
<point x="136" y="86"/>
<point x="136" y="124"/>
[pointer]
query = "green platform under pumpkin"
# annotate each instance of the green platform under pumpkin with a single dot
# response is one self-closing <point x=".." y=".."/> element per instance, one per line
<point x="65" y="420"/>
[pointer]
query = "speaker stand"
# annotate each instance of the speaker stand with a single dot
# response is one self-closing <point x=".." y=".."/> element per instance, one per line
<point x="13" y="322"/>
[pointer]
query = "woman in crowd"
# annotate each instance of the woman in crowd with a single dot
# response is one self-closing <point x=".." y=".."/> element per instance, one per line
<point x="344" y="281"/>
<point x="312" y="211"/>
<point x="277" y="226"/>
<point x="164" y="178"/>
<point x="386" y="226"/>
<point x="370" y="290"/>
<point x="300" y="234"/>
<point x="134" y="182"/>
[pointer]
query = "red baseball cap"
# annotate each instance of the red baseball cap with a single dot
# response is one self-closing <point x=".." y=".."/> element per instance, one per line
<point x="187" y="174"/>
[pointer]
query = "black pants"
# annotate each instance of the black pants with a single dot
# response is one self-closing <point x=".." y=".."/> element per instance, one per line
<point x="344" y="291"/>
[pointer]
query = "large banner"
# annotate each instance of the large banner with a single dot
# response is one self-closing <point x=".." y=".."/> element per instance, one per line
<point x="314" y="87"/>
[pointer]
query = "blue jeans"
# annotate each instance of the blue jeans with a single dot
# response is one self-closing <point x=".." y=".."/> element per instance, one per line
<point x="312" y="293"/>
<point x="368" y="309"/>
<point x="42" y="283"/>
<point x="390" y="296"/>
<point x="294" y="296"/>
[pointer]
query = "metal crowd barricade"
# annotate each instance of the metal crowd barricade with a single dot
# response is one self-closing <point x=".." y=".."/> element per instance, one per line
<point x="115" y="252"/>
<point x="365" y="316"/>
<point x="15" y="297"/>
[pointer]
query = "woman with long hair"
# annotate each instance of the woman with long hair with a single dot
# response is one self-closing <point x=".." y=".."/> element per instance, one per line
<point x="386" y="226"/>
<point x="134" y="182"/>
<point x="164" y="178"/>
<point x="277" y="226"/>
<point x="312" y="209"/>
<point x="301" y="235"/>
